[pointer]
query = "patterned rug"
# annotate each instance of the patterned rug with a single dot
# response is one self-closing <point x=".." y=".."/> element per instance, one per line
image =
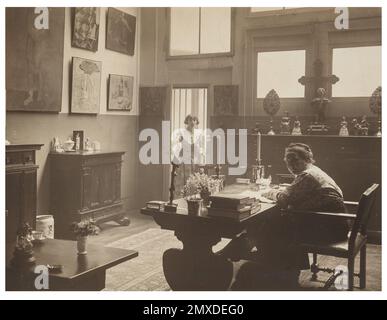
<point x="145" y="273"/>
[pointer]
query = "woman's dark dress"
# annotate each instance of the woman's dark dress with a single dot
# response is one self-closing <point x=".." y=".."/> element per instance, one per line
<point x="277" y="237"/>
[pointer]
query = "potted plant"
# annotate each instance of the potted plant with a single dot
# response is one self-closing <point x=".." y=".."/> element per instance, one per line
<point x="82" y="230"/>
<point x="197" y="190"/>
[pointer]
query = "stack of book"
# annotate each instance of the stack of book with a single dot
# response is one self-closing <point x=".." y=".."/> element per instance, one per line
<point x="233" y="206"/>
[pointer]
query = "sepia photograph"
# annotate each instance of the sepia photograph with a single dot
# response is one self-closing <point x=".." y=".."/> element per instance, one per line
<point x="193" y="149"/>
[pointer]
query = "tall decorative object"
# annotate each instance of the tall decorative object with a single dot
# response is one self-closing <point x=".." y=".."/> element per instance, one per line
<point x="34" y="56"/>
<point x="271" y="105"/>
<point x="318" y="84"/>
<point x="170" y="206"/>
<point x="86" y="86"/>
<point x="343" y="127"/>
<point x="285" y="124"/>
<point x="120" y="31"/>
<point x="319" y="103"/>
<point x="376" y="107"/>
<point x="85" y="28"/>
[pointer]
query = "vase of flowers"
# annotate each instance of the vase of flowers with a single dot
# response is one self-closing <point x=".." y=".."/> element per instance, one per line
<point x="82" y="230"/>
<point x="198" y="190"/>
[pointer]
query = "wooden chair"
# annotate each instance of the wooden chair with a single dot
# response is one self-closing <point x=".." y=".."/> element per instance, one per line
<point x="357" y="241"/>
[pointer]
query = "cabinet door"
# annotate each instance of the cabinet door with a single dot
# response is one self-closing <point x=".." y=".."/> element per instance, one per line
<point x="29" y="198"/>
<point x="107" y="187"/>
<point x="13" y="204"/>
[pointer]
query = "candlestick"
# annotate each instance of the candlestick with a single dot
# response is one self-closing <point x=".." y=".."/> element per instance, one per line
<point x="259" y="148"/>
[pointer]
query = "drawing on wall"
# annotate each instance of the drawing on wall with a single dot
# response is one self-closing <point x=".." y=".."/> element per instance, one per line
<point x="85" y="28"/>
<point x="121" y="31"/>
<point x="34" y="58"/>
<point x="86" y="84"/>
<point x="120" y="92"/>
<point x="226" y="100"/>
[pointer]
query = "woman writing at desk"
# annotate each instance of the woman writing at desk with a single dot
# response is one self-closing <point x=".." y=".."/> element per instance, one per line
<point x="311" y="190"/>
<point x="276" y="237"/>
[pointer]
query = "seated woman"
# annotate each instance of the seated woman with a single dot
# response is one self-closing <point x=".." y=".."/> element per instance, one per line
<point x="276" y="236"/>
<point x="311" y="190"/>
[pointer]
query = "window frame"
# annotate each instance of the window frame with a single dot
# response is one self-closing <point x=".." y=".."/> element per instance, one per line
<point x="284" y="11"/>
<point x="201" y="55"/>
<point x="343" y="46"/>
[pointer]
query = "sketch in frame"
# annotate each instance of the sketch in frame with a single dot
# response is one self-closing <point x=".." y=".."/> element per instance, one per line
<point x="34" y="57"/>
<point x="120" y="92"/>
<point x="85" y="28"/>
<point x="120" y="31"/>
<point x="86" y="85"/>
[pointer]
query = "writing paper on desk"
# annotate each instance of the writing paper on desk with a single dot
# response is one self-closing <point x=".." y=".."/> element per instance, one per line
<point x="257" y="195"/>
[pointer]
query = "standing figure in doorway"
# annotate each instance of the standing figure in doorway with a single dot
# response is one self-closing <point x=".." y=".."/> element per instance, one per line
<point x="187" y="149"/>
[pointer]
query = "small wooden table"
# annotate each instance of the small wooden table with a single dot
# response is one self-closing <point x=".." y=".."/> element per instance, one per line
<point x="79" y="273"/>
<point x="196" y="267"/>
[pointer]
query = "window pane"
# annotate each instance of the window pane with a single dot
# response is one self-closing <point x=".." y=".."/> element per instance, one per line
<point x="215" y="29"/>
<point x="280" y="70"/>
<point x="184" y="31"/>
<point x="359" y="71"/>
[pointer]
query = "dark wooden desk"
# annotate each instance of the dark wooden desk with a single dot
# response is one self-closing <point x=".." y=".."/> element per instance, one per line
<point x="80" y="273"/>
<point x="196" y="267"/>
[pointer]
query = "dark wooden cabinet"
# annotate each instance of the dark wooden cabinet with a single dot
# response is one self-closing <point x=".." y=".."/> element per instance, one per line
<point x="20" y="190"/>
<point x="85" y="185"/>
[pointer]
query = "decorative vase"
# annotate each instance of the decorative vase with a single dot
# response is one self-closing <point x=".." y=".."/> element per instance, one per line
<point x="205" y="195"/>
<point x="82" y="245"/>
<point x="194" y="206"/>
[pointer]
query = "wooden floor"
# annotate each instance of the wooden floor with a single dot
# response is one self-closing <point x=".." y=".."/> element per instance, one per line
<point x="111" y="232"/>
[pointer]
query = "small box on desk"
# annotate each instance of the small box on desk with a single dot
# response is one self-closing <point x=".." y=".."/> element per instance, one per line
<point x="155" y="205"/>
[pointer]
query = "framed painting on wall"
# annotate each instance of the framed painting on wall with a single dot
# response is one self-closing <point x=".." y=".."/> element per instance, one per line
<point x="86" y="86"/>
<point x="120" y="93"/>
<point x="120" y="31"/>
<point x="34" y="59"/>
<point x="85" y="28"/>
<point x="226" y="100"/>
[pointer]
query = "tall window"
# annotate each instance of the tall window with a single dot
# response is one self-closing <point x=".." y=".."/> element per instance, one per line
<point x="200" y="31"/>
<point x="359" y="70"/>
<point x="280" y="70"/>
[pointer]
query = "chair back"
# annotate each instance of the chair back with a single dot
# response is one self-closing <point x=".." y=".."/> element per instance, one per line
<point x="364" y="210"/>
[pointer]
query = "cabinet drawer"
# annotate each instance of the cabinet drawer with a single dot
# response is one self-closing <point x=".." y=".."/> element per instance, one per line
<point x="15" y="158"/>
<point x="100" y="161"/>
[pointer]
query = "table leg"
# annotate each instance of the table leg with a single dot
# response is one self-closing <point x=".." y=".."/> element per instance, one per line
<point x="196" y="267"/>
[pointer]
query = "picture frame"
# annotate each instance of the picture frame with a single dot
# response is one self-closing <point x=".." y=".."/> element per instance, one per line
<point x="81" y="139"/>
<point x="120" y="31"/>
<point x="120" y="93"/>
<point x="85" y="31"/>
<point x="85" y="86"/>
<point x="34" y="59"/>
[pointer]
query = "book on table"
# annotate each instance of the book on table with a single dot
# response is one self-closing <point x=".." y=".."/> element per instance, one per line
<point x="235" y="206"/>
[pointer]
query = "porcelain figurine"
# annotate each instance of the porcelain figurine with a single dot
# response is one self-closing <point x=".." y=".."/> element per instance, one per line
<point x="297" y="128"/>
<point x="343" y="127"/>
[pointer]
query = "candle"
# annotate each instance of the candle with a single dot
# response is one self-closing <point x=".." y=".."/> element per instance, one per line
<point x="259" y="147"/>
